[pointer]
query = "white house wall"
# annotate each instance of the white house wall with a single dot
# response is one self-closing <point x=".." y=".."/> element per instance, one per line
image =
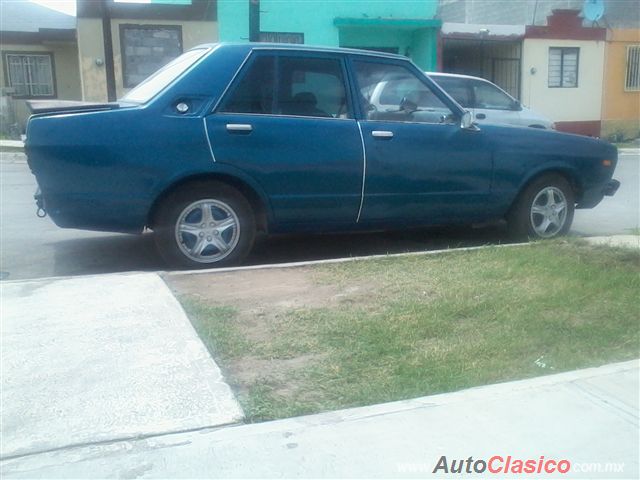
<point x="583" y="103"/>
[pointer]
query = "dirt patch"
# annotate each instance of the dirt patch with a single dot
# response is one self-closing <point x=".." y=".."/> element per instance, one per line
<point x="277" y="372"/>
<point x="257" y="291"/>
<point x="261" y="298"/>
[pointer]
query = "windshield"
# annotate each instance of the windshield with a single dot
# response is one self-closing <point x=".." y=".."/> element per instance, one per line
<point x="151" y="86"/>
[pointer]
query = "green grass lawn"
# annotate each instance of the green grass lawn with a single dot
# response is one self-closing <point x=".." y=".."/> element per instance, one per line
<point x="403" y="327"/>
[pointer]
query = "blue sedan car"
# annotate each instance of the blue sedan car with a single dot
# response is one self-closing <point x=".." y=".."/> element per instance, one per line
<point x="231" y="139"/>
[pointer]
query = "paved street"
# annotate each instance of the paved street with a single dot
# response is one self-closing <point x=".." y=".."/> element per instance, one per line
<point x="36" y="248"/>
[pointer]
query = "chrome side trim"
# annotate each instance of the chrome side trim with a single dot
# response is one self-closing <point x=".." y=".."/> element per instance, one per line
<point x="281" y="115"/>
<point x="233" y="79"/>
<point x="364" y="171"/>
<point x="340" y="50"/>
<point x="206" y="134"/>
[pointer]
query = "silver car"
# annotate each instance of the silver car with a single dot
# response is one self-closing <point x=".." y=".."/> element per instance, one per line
<point x="487" y="102"/>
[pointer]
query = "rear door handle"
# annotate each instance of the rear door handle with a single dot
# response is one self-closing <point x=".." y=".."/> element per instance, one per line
<point x="382" y="134"/>
<point x="239" y="127"/>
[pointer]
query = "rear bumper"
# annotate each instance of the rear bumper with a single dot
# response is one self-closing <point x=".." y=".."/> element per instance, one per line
<point x="592" y="197"/>
<point x="86" y="213"/>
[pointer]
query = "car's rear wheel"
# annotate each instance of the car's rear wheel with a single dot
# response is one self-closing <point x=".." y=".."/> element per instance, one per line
<point x="544" y="209"/>
<point x="204" y="225"/>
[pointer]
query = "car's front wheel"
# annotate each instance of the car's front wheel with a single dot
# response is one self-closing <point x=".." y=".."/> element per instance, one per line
<point x="544" y="209"/>
<point x="204" y="225"/>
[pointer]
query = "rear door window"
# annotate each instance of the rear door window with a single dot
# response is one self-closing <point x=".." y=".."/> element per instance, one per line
<point x="255" y="91"/>
<point x="311" y="87"/>
<point x="306" y="87"/>
<point x="490" y="97"/>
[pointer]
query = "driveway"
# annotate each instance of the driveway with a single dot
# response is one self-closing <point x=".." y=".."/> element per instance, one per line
<point x="84" y="361"/>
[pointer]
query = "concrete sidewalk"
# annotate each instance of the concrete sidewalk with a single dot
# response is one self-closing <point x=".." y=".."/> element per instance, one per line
<point x="11" y="146"/>
<point x="589" y="417"/>
<point x="97" y="383"/>
<point x="626" y="241"/>
<point x="85" y="361"/>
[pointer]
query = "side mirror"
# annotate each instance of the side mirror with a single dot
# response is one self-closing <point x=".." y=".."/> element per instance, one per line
<point x="467" y="120"/>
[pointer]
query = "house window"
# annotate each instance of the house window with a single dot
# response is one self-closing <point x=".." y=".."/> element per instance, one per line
<point x="282" y="37"/>
<point x="30" y="74"/>
<point x="146" y="48"/>
<point x="632" y="77"/>
<point x="563" y="67"/>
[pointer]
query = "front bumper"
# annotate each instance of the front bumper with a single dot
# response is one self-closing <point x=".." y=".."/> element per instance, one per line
<point x="592" y="197"/>
<point x="611" y="188"/>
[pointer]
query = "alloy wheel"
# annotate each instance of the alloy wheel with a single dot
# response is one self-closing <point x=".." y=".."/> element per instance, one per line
<point x="207" y="231"/>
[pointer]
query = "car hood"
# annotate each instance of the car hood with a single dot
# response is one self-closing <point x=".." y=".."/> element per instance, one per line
<point x="535" y="116"/>
<point x="548" y="142"/>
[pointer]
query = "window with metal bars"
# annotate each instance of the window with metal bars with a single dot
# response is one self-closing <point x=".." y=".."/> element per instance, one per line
<point x="30" y="74"/>
<point x="563" y="67"/>
<point x="632" y="78"/>
<point x="282" y="37"/>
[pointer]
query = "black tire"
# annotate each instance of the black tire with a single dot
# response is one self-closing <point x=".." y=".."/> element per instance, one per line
<point x="225" y="204"/>
<point x="523" y="223"/>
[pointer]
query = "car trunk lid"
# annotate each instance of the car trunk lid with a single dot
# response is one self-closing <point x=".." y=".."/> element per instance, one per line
<point x="52" y="107"/>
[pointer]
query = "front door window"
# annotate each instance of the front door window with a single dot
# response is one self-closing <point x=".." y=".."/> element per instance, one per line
<point x="394" y="93"/>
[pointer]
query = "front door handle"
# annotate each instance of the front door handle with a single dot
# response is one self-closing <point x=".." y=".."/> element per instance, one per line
<point x="239" y="127"/>
<point x="481" y="116"/>
<point x="382" y="134"/>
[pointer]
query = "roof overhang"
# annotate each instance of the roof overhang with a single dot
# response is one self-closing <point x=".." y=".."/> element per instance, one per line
<point x="41" y="36"/>
<point x="564" y="24"/>
<point x="482" y="31"/>
<point x="200" y="10"/>
<point x="395" y="23"/>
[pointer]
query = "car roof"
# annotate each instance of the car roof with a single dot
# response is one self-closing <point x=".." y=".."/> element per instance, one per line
<point x="470" y="77"/>
<point x="455" y="75"/>
<point x="301" y="48"/>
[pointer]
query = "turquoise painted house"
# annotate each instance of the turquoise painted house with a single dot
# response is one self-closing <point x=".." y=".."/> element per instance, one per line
<point x="405" y="27"/>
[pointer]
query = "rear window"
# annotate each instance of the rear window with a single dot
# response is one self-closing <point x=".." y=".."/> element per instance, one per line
<point x="154" y="84"/>
<point x="396" y="90"/>
<point x="456" y="88"/>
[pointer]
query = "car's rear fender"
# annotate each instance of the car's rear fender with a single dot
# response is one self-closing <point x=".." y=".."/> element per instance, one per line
<point x="227" y="174"/>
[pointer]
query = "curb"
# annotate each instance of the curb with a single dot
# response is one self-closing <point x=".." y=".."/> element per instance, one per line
<point x="339" y="260"/>
<point x="306" y="263"/>
<point x="492" y="390"/>
<point x="13" y="150"/>
<point x="164" y="273"/>
<point x="629" y="151"/>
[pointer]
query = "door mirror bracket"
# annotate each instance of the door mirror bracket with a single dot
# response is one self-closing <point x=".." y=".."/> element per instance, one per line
<point x="466" y="121"/>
